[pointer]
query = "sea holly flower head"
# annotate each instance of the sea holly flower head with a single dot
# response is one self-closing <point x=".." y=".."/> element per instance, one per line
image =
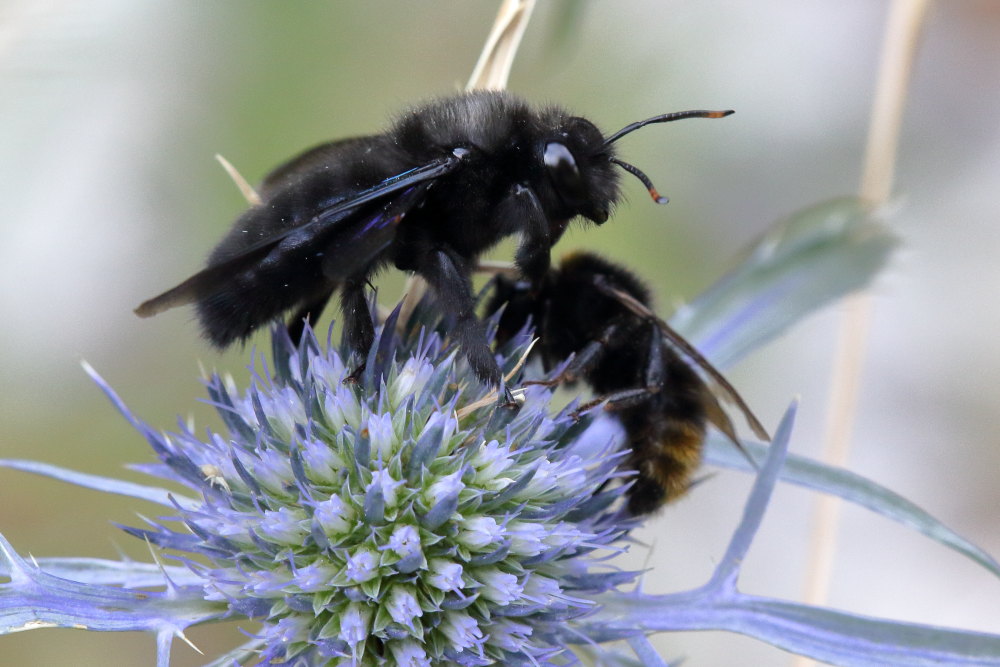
<point x="377" y="520"/>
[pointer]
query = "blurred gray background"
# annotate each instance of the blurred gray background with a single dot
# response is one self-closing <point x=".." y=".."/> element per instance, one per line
<point x="111" y="112"/>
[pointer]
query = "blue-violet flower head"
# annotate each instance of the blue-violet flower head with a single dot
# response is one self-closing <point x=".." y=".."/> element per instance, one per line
<point x="381" y="520"/>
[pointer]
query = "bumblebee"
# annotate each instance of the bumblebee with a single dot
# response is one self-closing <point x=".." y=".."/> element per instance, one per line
<point x="594" y="323"/>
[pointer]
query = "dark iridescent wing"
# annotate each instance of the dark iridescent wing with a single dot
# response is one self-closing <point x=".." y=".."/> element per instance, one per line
<point x="349" y="252"/>
<point x="307" y="161"/>
<point x="354" y="221"/>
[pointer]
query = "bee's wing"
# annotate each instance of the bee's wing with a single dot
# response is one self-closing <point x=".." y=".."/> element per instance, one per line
<point x="721" y="385"/>
<point x="348" y="251"/>
<point x="309" y="160"/>
<point x="345" y="221"/>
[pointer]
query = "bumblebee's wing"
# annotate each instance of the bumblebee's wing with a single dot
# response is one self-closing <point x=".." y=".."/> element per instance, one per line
<point x="344" y="216"/>
<point x="715" y="413"/>
<point x="723" y="387"/>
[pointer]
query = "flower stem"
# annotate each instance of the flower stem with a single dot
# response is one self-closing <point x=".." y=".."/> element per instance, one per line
<point x="906" y="17"/>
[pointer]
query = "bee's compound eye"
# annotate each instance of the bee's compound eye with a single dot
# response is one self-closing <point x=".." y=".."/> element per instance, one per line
<point x="565" y="175"/>
<point x="558" y="158"/>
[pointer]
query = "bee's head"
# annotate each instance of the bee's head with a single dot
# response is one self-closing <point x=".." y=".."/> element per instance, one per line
<point x="579" y="174"/>
<point x="580" y="164"/>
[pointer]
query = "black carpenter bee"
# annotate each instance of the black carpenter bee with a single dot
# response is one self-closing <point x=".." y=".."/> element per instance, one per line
<point x="598" y="313"/>
<point x="446" y="182"/>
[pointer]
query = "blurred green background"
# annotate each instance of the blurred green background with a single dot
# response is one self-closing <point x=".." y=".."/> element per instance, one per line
<point x="111" y="112"/>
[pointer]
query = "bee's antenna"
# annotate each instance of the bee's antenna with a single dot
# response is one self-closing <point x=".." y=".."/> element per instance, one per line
<point x="664" y="118"/>
<point x="657" y="197"/>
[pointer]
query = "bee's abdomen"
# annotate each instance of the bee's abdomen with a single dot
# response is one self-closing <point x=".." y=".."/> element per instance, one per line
<point x="664" y="458"/>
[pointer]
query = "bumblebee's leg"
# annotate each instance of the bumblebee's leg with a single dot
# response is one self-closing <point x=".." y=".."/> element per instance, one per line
<point x="654" y="377"/>
<point x="582" y="362"/>
<point x="310" y="310"/>
<point x="359" y="331"/>
<point x="619" y="400"/>
<point x="445" y="274"/>
<point x="533" y="255"/>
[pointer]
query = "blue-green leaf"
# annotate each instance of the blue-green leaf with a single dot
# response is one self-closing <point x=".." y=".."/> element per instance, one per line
<point x="854" y="488"/>
<point x="817" y="255"/>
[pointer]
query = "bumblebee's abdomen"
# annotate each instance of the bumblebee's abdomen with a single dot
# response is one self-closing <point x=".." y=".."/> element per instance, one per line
<point x="664" y="461"/>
